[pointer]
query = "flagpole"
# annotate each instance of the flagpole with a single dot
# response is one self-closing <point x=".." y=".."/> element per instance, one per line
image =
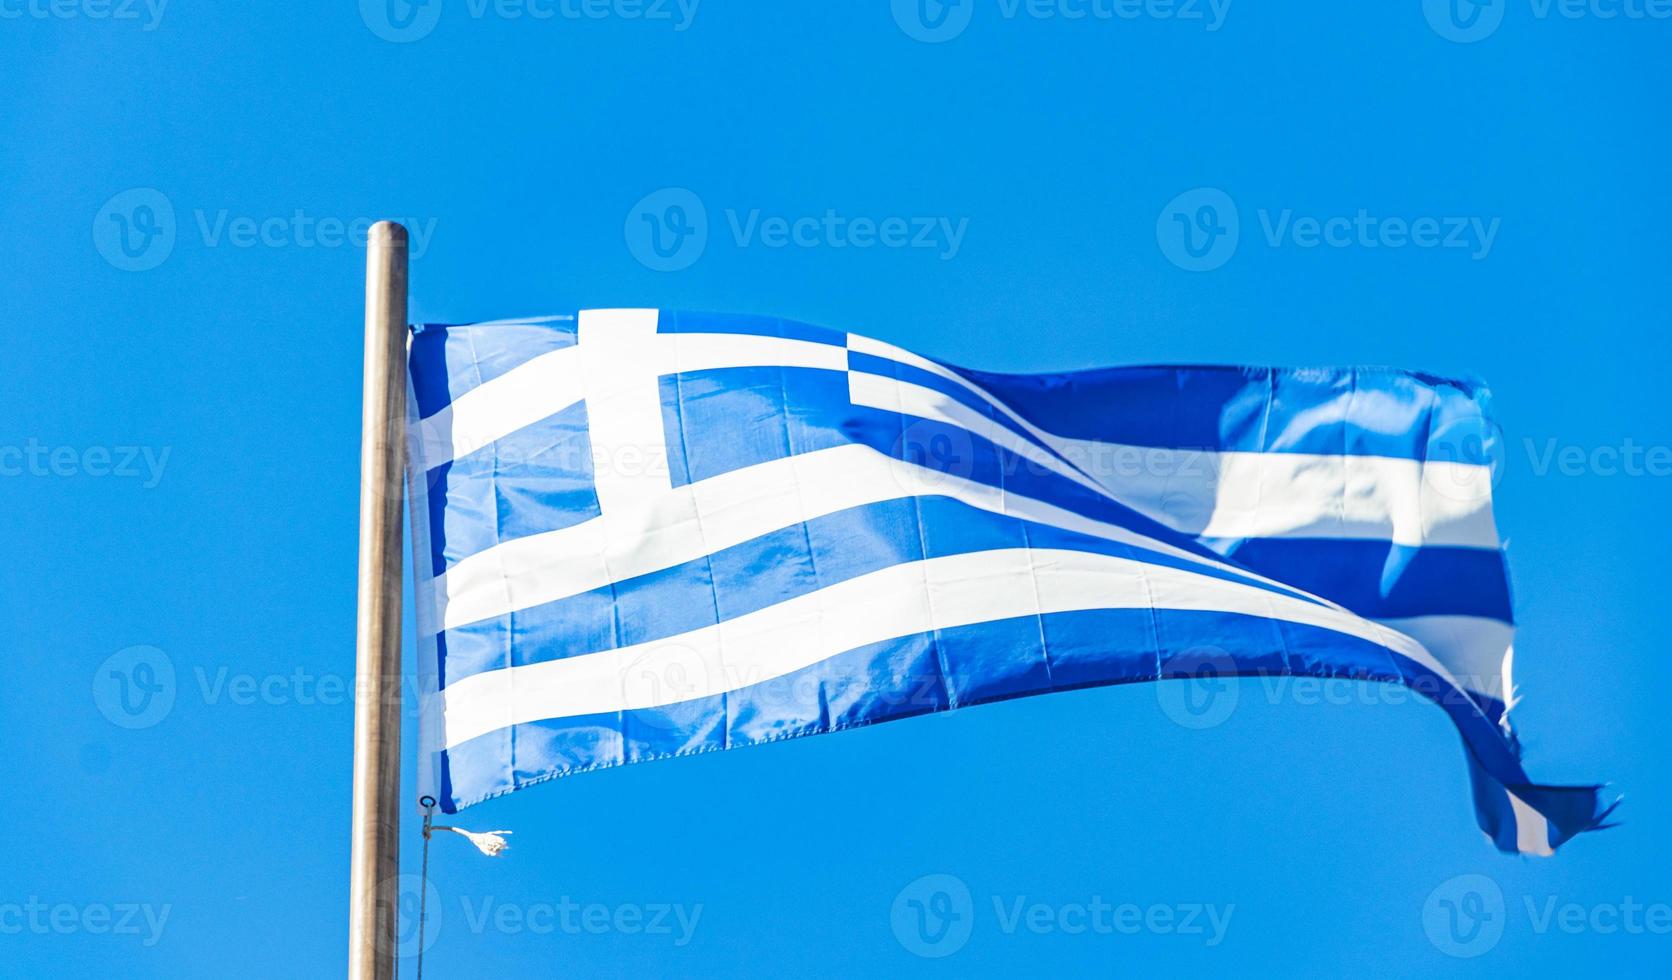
<point x="375" y="854"/>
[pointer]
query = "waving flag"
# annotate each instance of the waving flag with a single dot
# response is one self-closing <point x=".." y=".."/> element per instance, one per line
<point x="645" y="534"/>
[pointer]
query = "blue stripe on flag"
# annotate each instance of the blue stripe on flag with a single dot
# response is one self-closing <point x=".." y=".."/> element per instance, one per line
<point x="1379" y="580"/>
<point x="793" y="561"/>
<point x="1352" y="411"/>
<point x="455" y="359"/>
<point x="536" y="479"/>
<point x="958" y="667"/>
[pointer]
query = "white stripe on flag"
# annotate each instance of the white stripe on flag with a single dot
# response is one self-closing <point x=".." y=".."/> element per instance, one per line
<point x="621" y="364"/>
<point x="529" y="392"/>
<point x="1476" y="650"/>
<point x="729" y="509"/>
<point x="1532" y="829"/>
<point x="902" y="600"/>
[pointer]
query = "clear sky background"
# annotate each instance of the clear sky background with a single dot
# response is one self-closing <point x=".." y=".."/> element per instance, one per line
<point x="179" y="413"/>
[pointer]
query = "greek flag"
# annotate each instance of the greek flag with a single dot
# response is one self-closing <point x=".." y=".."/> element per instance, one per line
<point x="642" y="534"/>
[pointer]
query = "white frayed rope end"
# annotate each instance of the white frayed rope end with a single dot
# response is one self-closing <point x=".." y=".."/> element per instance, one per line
<point x="492" y="842"/>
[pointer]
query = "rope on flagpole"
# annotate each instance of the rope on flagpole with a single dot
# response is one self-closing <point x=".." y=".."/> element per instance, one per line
<point x="492" y="843"/>
<point x="428" y="803"/>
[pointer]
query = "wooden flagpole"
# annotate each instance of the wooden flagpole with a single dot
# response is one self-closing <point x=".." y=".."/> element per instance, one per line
<point x="375" y="859"/>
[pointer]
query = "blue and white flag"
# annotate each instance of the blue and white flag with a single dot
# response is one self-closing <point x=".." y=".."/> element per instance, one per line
<point x="645" y="534"/>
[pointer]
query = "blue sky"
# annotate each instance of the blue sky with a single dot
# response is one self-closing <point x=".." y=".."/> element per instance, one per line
<point x="179" y="442"/>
